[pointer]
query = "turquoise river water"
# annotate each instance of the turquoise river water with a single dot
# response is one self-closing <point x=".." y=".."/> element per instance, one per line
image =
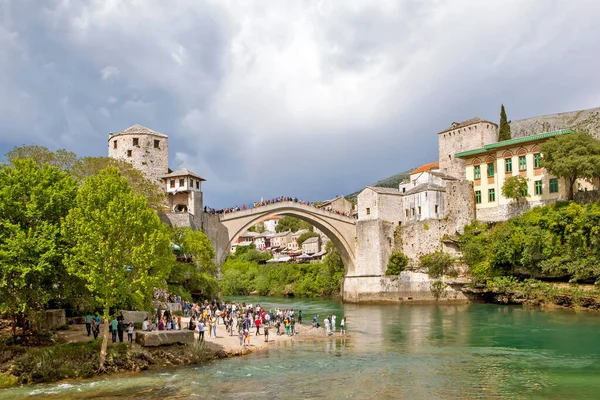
<point x="477" y="351"/>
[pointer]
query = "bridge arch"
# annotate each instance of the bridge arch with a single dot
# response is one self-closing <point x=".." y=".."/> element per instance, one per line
<point x="340" y="229"/>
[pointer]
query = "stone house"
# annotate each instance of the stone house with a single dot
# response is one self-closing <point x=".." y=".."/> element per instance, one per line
<point x="292" y="244"/>
<point x="338" y="205"/>
<point x="270" y="224"/>
<point x="377" y="203"/>
<point x="280" y="240"/>
<point x="311" y="245"/>
<point x="184" y="189"/>
<point x="489" y="166"/>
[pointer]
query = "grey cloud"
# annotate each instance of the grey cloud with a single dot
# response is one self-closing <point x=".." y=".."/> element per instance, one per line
<point x="313" y="98"/>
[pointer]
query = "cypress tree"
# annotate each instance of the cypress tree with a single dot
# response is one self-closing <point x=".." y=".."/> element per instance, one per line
<point x="504" y="130"/>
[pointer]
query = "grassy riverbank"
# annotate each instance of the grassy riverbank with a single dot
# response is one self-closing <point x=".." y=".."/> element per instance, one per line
<point x="25" y="365"/>
<point x="532" y="292"/>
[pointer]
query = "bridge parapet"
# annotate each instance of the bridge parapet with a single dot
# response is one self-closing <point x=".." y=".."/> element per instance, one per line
<point x="285" y="205"/>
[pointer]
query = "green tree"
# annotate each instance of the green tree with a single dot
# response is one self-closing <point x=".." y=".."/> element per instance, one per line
<point x="293" y="224"/>
<point x="33" y="200"/>
<point x="396" y="263"/>
<point x="306" y="235"/>
<point x="572" y="156"/>
<point x="119" y="246"/>
<point x="197" y="245"/>
<point x="504" y="129"/>
<point x="141" y="185"/>
<point x="62" y="159"/>
<point x="437" y="263"/>
<point x="515" y="187"/>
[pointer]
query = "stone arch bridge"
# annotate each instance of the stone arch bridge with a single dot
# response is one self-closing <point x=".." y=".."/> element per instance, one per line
<point x="340" y="229"/>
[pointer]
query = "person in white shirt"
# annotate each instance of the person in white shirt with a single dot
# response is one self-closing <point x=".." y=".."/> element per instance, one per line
<point x="145" y="325"/>
<point x="333" y="323"/>
<point x="201" y="330"/>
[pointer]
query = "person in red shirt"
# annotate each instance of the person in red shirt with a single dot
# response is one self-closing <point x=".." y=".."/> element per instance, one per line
<point x="257" y="323"/>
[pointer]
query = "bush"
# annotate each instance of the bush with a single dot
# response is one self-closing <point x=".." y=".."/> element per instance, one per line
<point x="438" y="289"/>
<point x="397" y="263"/>
<point x="437" y="264"/>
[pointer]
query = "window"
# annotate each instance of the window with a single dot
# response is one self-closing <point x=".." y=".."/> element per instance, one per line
<point x="419" y="210"/>
<point x="197" y="184"/>
<point x="403" y="190"/>
<point x="436" y="208"/>
<point x="192" y="183"/>
<point x="412" y="211"/>
<point x="172" y="183"/>
<point x="136" y="141"/>
<point x="181" y="182"/>
<point x="536" y="160"/>
<point x="508" y="165"/>
<point x="156" y="144"/>
<point x="553" y="185"/>
<point x="128" y="153"/>
<point x="368" y="211"/>
<point x="478" y="197"/>
<point x="492" y="195"/>
<point x="538" y="188"/>
<point x="114" y="144"/>
<point x="478" y="172"/>
<point x="406" y="212"/>
<point x="522" y="163"/>
<point x="490" y="169"/>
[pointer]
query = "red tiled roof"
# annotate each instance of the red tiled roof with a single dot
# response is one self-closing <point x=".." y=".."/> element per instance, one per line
<point x="426" y="167"/>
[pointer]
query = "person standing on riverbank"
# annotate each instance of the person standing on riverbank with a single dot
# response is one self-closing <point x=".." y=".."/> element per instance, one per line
<point x="333" y="323"/>
<point x="130" y="333"/>
<point x="266" y="329"/>
<point x="201" y="331"/>
<point x="241" y="335"/>
<point x="214" y="325"/>
<point x="88" y="323"/>
<point x="113" y="327"/>
<point x="343" y="326"/>
<point x="300" y="317"/>
<point x="257" y="324"/>
<point x="327" y="326"/>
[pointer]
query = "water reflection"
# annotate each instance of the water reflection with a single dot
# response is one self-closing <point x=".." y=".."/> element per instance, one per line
<point x="392" y="351"/>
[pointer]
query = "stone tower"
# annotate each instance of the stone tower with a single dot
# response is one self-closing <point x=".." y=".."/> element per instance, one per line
<point x="462" y="136"/>
<point x="145" y="149"/>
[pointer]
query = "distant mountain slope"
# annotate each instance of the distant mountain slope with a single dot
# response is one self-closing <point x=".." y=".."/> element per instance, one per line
<point x="391" y="182"/>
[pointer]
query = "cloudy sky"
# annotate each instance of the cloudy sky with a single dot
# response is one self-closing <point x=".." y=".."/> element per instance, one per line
<point x="311" y="98"/>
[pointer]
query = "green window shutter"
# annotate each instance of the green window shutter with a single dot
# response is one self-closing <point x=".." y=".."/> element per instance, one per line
<point x="490" y="169"/>
<point x="553" y="185"/>
<point x="477" y="172"/>
<point x="508" y="165"/>
<point x="522" y="163"/>
<point x="536" y="160"/>
<point x="538" y="188"/>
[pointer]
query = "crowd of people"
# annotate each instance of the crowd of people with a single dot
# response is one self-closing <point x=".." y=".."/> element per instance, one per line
<point x="275" y="200"/>
<point x="239" y="319"/>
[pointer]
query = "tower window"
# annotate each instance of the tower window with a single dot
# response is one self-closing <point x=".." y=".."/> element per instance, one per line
<point x="192" y="183"/>
<point x="368" y="211"/>
<point x="128" y="153"/>
<point x="156" y="144"/>
<point x="419" y="210"/>
<point x="436" y="208"/>
<point x="197" y="184"/>
<point x="136" y="141"/>
<point x="114" y="144"/>
<point x="181" y="182"/>
<point x="172" y="183"/>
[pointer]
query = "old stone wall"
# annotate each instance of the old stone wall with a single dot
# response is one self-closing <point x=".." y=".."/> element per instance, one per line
<point x="586" y="120"/>
<point x="375" y="239"/>
<point x="217" y="234"/>
<point x="153" y="162"/>
<point x="591" y="196"/>
<point x="408" y="287"/>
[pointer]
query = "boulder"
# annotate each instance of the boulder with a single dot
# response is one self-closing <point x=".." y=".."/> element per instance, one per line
<point x="162" y="338"/>
<point x="134" y="316"/>
<point x="55" y="318"/>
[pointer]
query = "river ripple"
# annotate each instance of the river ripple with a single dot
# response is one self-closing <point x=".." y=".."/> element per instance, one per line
<point x="476" y="351"/>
